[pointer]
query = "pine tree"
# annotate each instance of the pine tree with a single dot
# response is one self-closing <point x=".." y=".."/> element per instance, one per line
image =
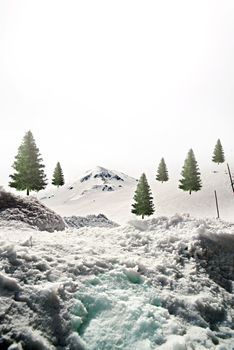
<point x="29" y="171"/>
<point x="143" y="199"/>
<point x="58" y="178"/>
<point x="218" y="155"/>
<point x="162" y="174"/>
<point x="191" y="180"/>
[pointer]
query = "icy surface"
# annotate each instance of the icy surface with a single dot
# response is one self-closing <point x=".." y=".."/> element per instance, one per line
<point x="145" y="285"/>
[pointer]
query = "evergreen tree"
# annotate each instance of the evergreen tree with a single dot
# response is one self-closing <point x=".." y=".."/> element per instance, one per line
<point x="58" y="178"/>
<point x="143" y="199"/>
<point x="191" y="180"/>
<point x="29" y="171"/>
<point x="218" y="155"/>
<point x="162" y="174"/>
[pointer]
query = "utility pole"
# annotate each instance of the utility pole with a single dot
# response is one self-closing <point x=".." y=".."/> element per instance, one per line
<point x="217" y="204"/>
<point x="230" y="176"/>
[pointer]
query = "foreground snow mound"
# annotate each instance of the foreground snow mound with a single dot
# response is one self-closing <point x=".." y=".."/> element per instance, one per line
<point x="29" y="211"/>
<point x="99" y="220"/>
<point x="148" y="285"/>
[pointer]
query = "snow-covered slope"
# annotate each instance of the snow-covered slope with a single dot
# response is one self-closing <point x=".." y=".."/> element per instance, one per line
<point x="111" y="193"/>
<point x="98" y="191"/>
<point x="148" y="285"/>
<point x="170" y="199"/>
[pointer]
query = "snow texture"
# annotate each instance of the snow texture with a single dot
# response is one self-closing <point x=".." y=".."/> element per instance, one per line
<point x="29" y="211"/>
<point x="153" y="284"/>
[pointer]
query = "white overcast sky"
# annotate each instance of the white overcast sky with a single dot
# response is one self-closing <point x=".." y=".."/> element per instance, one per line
<point x="116" y="83"/>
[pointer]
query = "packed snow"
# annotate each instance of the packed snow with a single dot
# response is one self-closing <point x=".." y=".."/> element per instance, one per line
<point x="143" y="285"/>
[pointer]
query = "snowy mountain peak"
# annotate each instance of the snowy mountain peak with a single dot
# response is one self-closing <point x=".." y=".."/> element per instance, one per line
<point x="94" y="191"/>
<point x="105" y="175"/>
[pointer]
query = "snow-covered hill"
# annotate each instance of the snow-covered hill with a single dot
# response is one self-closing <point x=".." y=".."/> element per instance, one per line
<point x="111" y="193"/>
<point x="98" y="191"/>
<point x="161" y="284"/>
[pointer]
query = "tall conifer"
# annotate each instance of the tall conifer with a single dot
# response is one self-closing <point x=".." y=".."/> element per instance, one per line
<point x="162" y="174"/>
<point x="218" y="155"/>
<point x="29" y="171"/>
<point x="143" y="205"/>
<point x="191" y="180"/>
<point x="58" y="178"/>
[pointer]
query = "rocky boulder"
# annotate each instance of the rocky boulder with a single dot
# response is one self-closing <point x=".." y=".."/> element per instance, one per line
<point x="30" y="211"/>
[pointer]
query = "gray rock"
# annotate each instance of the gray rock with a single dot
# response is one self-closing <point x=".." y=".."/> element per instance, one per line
<point x="30" y="211"/>
<point x="99" y="220"/>
<point x="218" y="258"/>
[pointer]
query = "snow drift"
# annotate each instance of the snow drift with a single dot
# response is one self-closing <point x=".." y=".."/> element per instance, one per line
<point x="146" y="285"/>
<point x="29" y="211"/>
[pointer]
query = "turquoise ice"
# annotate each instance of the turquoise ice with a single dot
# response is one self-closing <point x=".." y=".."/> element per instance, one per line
<point x="119" y="310"/>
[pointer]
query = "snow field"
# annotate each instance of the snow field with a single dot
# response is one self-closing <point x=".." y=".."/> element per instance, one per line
<point x="89" y="196"/>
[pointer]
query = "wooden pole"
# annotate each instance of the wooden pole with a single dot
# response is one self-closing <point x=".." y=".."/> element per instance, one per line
<point x="217" y="204"/>
<point x="230" y="176"/>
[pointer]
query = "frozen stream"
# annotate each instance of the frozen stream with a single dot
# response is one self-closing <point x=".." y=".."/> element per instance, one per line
<point x="120" y="310"/>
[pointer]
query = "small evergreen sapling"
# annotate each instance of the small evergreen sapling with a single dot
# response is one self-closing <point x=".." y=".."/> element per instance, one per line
<point x="162" y="173"/>
<point x="143" y="205"/>
<point x="58" y="178"/>
<point x="218" y="155"/>
<point x="191" y="180"/>
<point x="29" y="171"/>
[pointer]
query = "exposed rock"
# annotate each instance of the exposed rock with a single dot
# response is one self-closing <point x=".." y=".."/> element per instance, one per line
<point x="103" y="174"/>
<point x="99" y="220"/>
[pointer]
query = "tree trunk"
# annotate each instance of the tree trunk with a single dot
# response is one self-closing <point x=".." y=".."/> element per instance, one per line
<point x="27" y="192"/>
<point x="230" y="176"/>
<point x="143" y="216"/>
<point x="190" y="191"/>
